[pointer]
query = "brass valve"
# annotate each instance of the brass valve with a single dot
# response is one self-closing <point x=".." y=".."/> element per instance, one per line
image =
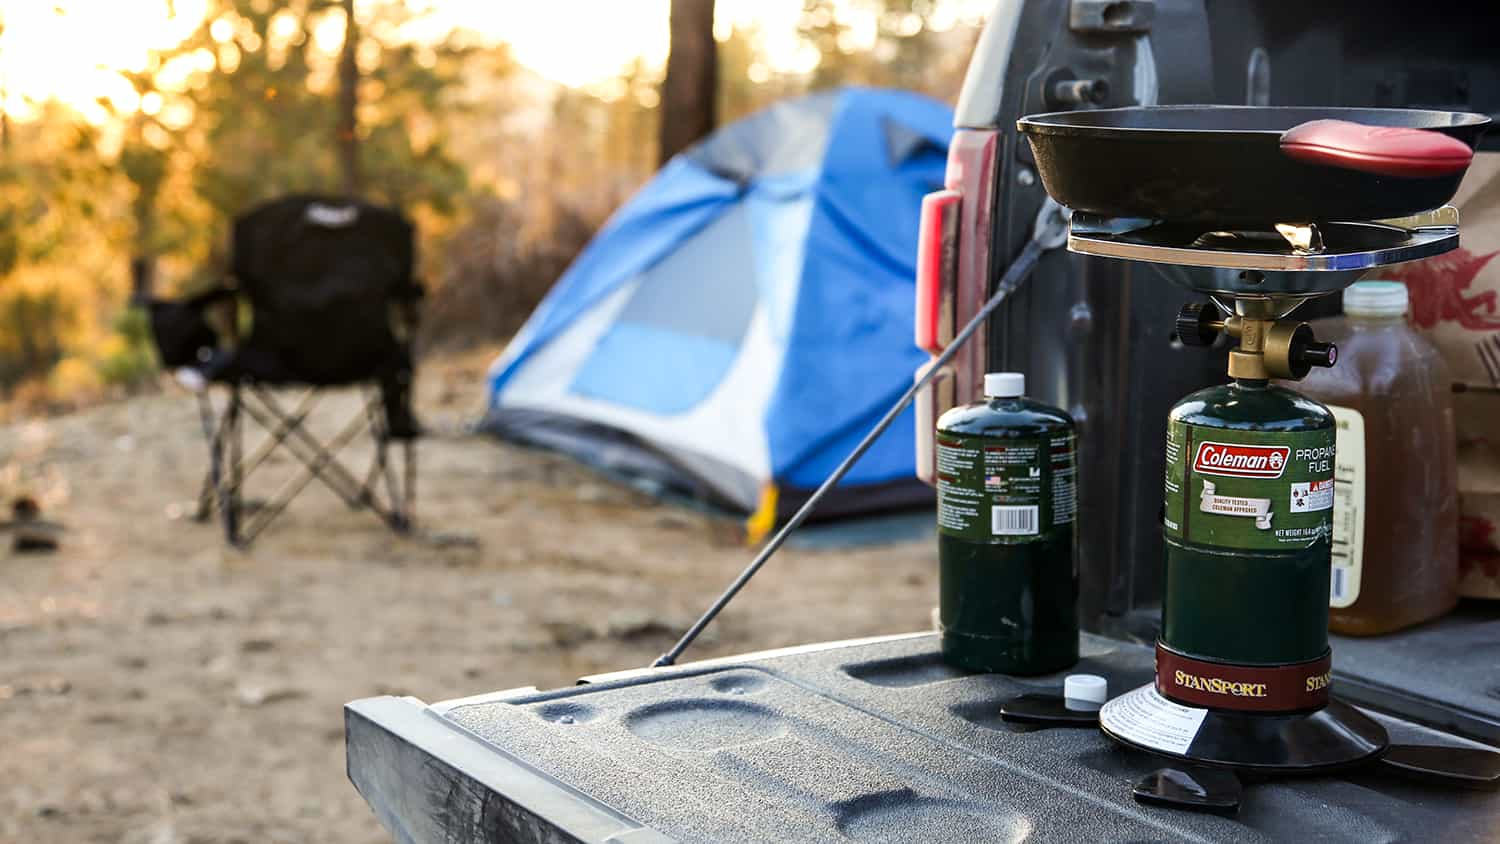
<point x="1268" y="347"/>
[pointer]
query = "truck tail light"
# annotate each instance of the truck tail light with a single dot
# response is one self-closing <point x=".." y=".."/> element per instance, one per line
<point x="937" y="265"/>
<point x="931" y="402"/>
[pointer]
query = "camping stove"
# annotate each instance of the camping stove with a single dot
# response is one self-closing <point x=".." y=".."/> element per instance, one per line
<point x="1243" y="664"/>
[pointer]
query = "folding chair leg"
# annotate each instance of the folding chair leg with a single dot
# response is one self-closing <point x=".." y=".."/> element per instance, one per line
<point x="229" y="493"/>
<point x="409" y="487"/>
<point x="205" y="507"/>
<point x="228" y="468"/>
<point x="379" y="466"/>
<point x="277" y="433"/>
<point x="399" y="516"/>
<point x="377" y="470"/>
<point x="313" y="454"/>
<point x="211" y="435"/>
<point x="315" y="468"/>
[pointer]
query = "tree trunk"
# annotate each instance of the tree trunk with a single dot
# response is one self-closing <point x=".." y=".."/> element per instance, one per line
<point x="348" y="129"/>
<point x="689" y="92"/>
<point x="4" y="115"/>
<point x="4" y="97"/>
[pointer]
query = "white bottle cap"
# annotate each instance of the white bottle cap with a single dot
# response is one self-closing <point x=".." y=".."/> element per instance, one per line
<point x="1004" y="385"/>
<point x="1375" y="299"/>
<point x="1085" y="691"/>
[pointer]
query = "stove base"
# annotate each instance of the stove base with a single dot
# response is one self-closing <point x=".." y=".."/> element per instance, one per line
<point x="1335" y="737"/>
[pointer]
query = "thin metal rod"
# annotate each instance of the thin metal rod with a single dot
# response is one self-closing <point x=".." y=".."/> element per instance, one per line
<point x="1014" y="275"/>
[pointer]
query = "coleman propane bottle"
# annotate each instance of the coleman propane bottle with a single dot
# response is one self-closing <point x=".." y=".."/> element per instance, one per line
<point x="1247" y="523"/>
<point x="1007" y="503"/>
<point x="1395" y="524"/>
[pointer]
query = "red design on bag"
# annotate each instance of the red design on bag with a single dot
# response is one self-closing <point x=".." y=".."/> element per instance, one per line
<point x="1476" y="545"/>
<point x="1437" y="289"/>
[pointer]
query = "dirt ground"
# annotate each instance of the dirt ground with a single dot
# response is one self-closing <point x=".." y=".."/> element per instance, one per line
<point x="156" y="687"/>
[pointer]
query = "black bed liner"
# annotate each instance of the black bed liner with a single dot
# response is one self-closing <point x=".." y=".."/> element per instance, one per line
<point x="871" y="740"/>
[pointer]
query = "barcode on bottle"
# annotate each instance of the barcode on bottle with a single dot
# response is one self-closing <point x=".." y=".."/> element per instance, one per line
<point x="1013" y="521"/>
<point x="1338" y="584"/>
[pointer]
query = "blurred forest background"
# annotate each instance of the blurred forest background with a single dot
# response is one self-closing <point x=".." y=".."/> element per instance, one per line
<point x="506" y="171"/>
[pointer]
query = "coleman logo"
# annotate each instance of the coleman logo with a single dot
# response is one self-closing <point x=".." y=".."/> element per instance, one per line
<point x="1218" y="685"/>
<point x="1241" y="461"/>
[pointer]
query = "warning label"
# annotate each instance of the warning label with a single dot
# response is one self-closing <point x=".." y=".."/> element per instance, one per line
<point x="1312" y="496"/>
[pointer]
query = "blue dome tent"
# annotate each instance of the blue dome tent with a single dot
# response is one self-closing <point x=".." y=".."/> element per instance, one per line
<point x="739" y="324"/>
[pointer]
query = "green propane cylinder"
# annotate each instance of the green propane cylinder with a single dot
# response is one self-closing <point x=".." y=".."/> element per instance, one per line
<point x="1248" y="525"/>
<point x="1007" y="504"/>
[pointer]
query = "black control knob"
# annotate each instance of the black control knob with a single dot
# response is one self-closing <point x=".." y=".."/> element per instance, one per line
<point x="1318" y="354"/>
<point x="1299" y="350"/>
<point x="1198" y="324"/>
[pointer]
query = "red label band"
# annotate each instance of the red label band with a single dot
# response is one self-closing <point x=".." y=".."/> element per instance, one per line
<point x="1245" y="688"/>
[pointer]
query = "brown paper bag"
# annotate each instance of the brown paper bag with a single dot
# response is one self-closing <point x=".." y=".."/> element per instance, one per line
<point x="1455" y="303"/>
<point x="1478" y="495"/>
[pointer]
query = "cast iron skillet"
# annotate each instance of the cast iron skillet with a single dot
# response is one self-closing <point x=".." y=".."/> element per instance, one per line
<point x="1250" y="165"/>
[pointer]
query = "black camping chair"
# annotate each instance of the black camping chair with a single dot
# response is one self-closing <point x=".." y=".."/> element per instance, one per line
<point x="333" y="302"/>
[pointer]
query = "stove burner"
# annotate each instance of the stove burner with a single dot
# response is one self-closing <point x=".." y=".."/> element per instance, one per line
<point x="1292" y="260"/>
<point x="1303" y="240"/>
<point x="1296" y="247"/>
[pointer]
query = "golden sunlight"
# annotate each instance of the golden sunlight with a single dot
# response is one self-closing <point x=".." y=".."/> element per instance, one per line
<point x="71" y="50"/>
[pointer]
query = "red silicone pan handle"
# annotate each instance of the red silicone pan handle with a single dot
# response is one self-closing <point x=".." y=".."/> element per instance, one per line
<point x="1382" y="150"/>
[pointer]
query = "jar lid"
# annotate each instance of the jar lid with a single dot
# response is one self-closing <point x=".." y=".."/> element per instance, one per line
<point x="1375" y="299"/>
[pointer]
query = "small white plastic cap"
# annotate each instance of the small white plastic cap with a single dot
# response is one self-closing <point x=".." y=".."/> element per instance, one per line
<point x="1004" y="385"/>
<point x="1375" y="299"/>
<point x="1085" y="691"/>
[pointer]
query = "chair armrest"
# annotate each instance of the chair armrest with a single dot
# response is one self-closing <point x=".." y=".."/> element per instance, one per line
<point x="183" y="328"/>
<point x="213" y="295"/>
<point x="220" y="307"/>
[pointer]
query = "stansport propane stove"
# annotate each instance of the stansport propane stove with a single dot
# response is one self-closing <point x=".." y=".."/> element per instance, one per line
<point x="1249" y="206"/>
<point x="1243" y="662"/>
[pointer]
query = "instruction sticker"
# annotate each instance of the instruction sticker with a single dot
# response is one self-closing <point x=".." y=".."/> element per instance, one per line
<point x="1146" y="718"/>
<point x="1006" y="490"/>
<point x="1348" y="508"/>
